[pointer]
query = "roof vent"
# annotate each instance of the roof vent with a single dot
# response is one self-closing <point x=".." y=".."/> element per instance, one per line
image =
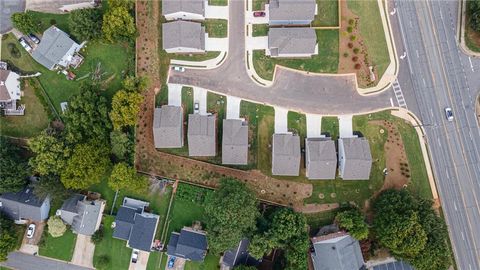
<point x="333" y="248"/>
<point x="2" y="83"/>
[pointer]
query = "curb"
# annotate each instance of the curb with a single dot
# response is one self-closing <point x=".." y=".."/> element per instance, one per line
<point x="462" y="7"/>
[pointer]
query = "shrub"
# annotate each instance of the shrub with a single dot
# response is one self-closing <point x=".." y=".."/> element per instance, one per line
<point x="356" y="50"/>
<point x="351" y="22"/>
<point x="357" y="66"/>
<point x="355" y="58"/>
<point x="353" y="37"/>
<point x="53" y="22"/>
<point x="56" y="227"/>
<point x="345" y="54"/>
<point x="14" y="52"/>
<point x="85" y="24"/>
<point x="350" y="45"/>
<point x="24" y="22"/>
<point x="103" y="261"/>
<point x="349" y="29"/>
<point x="98" y="235"/>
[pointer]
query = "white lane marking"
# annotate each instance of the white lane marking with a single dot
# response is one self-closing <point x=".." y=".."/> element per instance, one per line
<point x="471" y="65"/>
<point x="463" y="236"/>
<point x="391" y="102"/>
<point x="416" y="51"/>
<point x="455" y="206"/>
<point x="397" y="90"/>
<point x="439" y="143"/>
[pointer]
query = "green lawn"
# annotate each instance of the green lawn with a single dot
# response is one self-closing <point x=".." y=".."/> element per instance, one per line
<point x="326" y="61"/>
<point x="216" y="28"/>
<point x="195" y="57"/>
<point x="210" y="263"/>
<point x="260" y="30"/>
<point x="372" y="32"/>
<point x="45" y="20"/>
<point x="297" y="123"/>
<point x="265" y="118"/>
<point x="60" y="248"/>
<point x="259" y="4"/>
<point x="317" y="220"/>
<point x="115" y="250"/>
<point x="330" y="126"/>
<point x="218" y="2"/>
<point x="327" y="13"/>
<point x="217" y="104"/>
<point x="36" y="116"/>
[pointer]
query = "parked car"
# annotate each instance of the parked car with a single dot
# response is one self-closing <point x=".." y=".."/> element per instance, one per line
<point x="30" y="231"/>
<point x="34" y="38"/>
<point x="134" y="256"/>
<point x="179" y="69"/>
<point x="25" y="44"/>
<point x="449" y="114"/>
<point x="196" y="107"/>
<point x="259" y="14"/>
<point x="171" y="262"/>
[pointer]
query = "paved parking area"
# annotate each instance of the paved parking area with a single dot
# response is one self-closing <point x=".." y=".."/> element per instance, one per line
<point x="216" y="44"/>
<point x="257" y="43"/>
<point x="7" y="8"/>
<point x="179" y="264"/>
<point x="393" y="266"/>
<point x="345" y="126"/>
<point x="216" y="12"/>
<point x="281" y="120"/>
<point x="142" y="261"/>
<point x="200" y="96"/>
<point x="174" y="94"/>
<point x="83" y="252"/>
<point x="233" y="107"/>
<point x="314" y="125"/>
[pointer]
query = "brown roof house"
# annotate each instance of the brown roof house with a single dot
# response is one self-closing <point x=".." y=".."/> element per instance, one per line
<point x="286" y="155"/>
<point x="9" y="89"/>
<point x="354" y="158"/>
<point x="292" y="42"/>
<point x="168" y="127"/>
<point x="202" y="135"/>
<point x="183" y="37"/>
<point x="235" y="142"/>
<point x="320" y="158"/>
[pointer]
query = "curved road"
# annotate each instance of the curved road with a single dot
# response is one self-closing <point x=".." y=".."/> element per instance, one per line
<point x="321" y="94"/>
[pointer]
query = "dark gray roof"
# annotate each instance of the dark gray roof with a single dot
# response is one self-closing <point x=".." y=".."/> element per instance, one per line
<point x="52" y="48"/>
<point x="168" y="127"/>
<point x="399" y="265"/>
<point x="88" y="216"/>
<point x="239" y="255"/>
<point x="235" y="142"/>
<point x="286" y="41"/>
<point x="23" y="205"/>
<point x="70" y="204"/>
<point x="122" y="229"/>
<point x="358" y="159"/>
<point x="143" y="231"/>
<point x="201" y="135"/>
<point x="190" y="6"/>
<point x="286" y="154"/>
<point x="183" y="34"/>
<point x="292" y="10"/>
<point x="321" y="158"/>
<point x="338" y="251"/>
<point x="188" y="244"/>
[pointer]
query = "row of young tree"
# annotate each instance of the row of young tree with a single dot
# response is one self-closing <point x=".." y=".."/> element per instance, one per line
<point x="474" y="6"/>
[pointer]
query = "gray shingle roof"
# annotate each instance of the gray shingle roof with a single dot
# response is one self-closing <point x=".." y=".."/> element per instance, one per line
<point x="321" y="158"/>
<point x="358" y="158"/>
<point x="52" y="48"/>
<point x="201" y="135"/>
<point x="292" y="10"/>
<point x="183" y="34"/>
<point x="190" y="6"/>
<point x="9" y="85"/>
<point x="235" y="142"/>
<point x="168" y="127"/>
<point x="70" y="204"/>
<point x="23" y="205"/>
<point x="143" y="231"/>
<point x="239" y="255"/>
<point x="81" y="214"/>
<point x="286" y="154"/>
<point x="340" y="252"/>
<point x="284" y="41"/>
<point x="188" y="244"/>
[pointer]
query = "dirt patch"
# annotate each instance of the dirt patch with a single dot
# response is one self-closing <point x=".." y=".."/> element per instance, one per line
<point x="316" y="208"/>
<point x="353" y="53"/>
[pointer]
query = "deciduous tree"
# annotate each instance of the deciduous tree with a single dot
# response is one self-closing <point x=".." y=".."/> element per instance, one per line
<point x="125" y="108"/>
<point x="24" y="22"/>
<point x="121" y="144"/>
<point x="474" y="14"/>
<point x="86" y="23"/>
<point x="135" y="84"/>
<point x="118" y="24"/>
<point x="13" y="168"/>
<point x="128" y="4"/>
<point x="50" y="185"/>
<point x="50" y="152"/>
<point x="124" y="177"/>
<point x="353" y="221"/>
<point x="8" y="239"/>
<point x="56" y="227"/>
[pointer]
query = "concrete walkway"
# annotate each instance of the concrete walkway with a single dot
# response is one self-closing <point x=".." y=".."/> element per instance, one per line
<point x="174" y="94"/>
<point x="314" y="125"/>
<point x="345" y="126"/>
<point x="200" y="96"/>
<point x="256" y="43"/>
<point x="216" y="44"/>
<point x="83" y="252"/>
<point x="281" y="120"/>
<point x="233" y="107"/>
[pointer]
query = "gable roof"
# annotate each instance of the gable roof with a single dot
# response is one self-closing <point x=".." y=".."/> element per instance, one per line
<point x="53" y="47"/>
<point x="70" y="204"/>
<point x="9" y="85"/>
<point x="235" y="142"/>
<point x="292" y="41"/>
<point x="23" y="205"/>
<point x="337" y="251"/>
<point x="168" y="127"/>
<point x="292" y="10"/>
<point x="143" y="231"/>
<point x="190" y="6"/>
<point x="357" y="158"/>
<point x="286" y="154"/>
<point x="183" y="34"/>
<point x="188" y="244"/>
<point x="239" y="255"/>
<point x="83" y="215"/>
<point x="321" y="158"/>
<point x="201" y="135"/>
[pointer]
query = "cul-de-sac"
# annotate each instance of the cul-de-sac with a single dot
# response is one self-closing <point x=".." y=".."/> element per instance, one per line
<point x="239" y="135"/>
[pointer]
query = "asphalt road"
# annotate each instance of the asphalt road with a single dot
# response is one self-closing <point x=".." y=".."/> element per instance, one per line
<point x="22" y="261"/>
<point x="297" y="91"/>
<point x="434" y="75"/>
<point x="7" y="8"/>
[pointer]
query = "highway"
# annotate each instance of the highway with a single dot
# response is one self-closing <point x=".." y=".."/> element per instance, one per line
<point x="434" y="75"/>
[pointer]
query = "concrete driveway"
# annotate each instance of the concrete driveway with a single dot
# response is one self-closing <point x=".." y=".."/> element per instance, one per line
<point x="7" y="8"/>
<point x="345" y="126"/>
<point x="83" y="252"/>
<point x="216" y="12"/>
<point x="216" y="44"/>
<point x="174" y="94"/>
<point x="257" y="43"/>
<point x="314" y="125"/>
<point x="233" y="107"/>
<point x="30" y="246"/>
<point x="179" y="264"/>
<point x="281" y="120"/>
<point x="200" y="96"/>
<point x="142" y="261"/>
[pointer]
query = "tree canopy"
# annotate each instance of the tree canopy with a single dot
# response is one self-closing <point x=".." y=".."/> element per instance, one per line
<point x="85" y="23"/>
<point x="8" y="238"/>
<point x="52" y="186"/>
<point x="14" y="169"/>
<point x="128" y="4"/>
<point x="121" y="145"/>
<point x="118" y="24"/>
<point x="474" y="14"/>
<point x="56" y="227"/>
<point x="135" y="84"/>
<point x="125" y="108"/>
<point x="231" y="212"/>
<point x="353" y="221"/>
<point x="24" y="22"/>
<point x="124" y="177"/>
<point x="50" y="152"/>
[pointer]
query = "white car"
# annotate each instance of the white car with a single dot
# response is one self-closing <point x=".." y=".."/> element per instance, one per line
<point x="134" y="256"/>
<point x="196" y="107"/>
<point x="30" y="231"/>
<point x="449" y="114"/>
<point x="25" y="44"/>
<point x="179" y="69"/>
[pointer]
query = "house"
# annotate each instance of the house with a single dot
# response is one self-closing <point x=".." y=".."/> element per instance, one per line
<point x="183" y="9"/>
<point x="84" y="216"/>
<point x="168" y="127"/>
<point x="286" y="154"/>
<point x="291" y="12"/>
<point x="183" y="37"/>
<point x="354" y="158"/>
<point x="238" y="256"/>
<point x="202" y="135"/>
<point x="292" y="42"/>
<point x="320" y="158"/>
<point x="135" y="225"/>
<point x="24" y="206"/>
<point x="235" y="142"/>
<point x="57" y="49"/>
<point x="337" y="251"/>
<point x="189" y="244"/>
<point x="9" y="89"/>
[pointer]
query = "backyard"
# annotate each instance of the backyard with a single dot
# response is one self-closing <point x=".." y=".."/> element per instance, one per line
<point x="60" y="248"/>
<point x="327" y="14"/>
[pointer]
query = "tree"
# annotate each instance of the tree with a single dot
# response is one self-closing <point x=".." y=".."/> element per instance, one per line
<point x="297" y="252"/>
<point x="259" y="246"/>
<point x="125" y="108"/>
<point x="56" y="227"/>
<point x="86" y="117"/>
<point x="97" y="236"/>
<point x="354" y="222"/>
<point x="244" y="267"/>
<point x="50" y="152"/>
<point x="24" y="22"/>
<point x="50" y="185"/>
<point x="135" y="84"/>
<point x="118" y="24"/>
<point x="8" y="239"/>
<point x="475" y="14"/>
<point x="13" y="168"/>
<point x="124" y="177"/>
<point x="128" y="4"/>
<point x="86" y="167"/>
<point x="86" y="23"/>
<point x="231" y="212"/>
<point x="121" y="144"/>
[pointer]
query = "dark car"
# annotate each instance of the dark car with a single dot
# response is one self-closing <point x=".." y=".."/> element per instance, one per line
<point x="259" y="14"/>
<point x="34" y="38"/>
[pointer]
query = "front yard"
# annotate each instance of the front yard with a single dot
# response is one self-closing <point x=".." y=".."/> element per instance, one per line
<point x="216" y="28"/>
<point x="60" y="248"/>
<point x="111" y="253"/>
